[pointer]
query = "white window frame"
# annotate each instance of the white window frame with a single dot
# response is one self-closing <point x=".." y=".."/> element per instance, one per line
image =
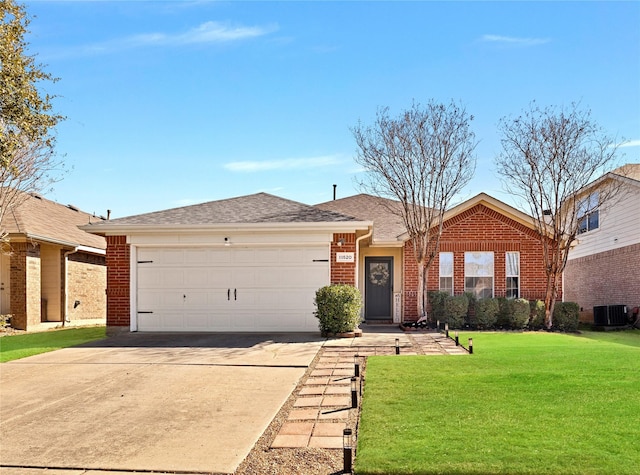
<point x="588" y="210"/>
<point x="510" y="272"/>
<point x="475" y="268"/>
<point x="445" y="272"/>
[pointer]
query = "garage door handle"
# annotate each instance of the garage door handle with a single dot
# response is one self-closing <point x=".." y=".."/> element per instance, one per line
<point x="228" y="294"/>
<point x="235" y="294"/>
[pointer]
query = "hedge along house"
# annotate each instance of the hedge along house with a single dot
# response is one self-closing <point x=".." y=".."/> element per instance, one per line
<point x="245" y="264"/>
<point x="487" y="247"/>
<point x="51" y="273"/>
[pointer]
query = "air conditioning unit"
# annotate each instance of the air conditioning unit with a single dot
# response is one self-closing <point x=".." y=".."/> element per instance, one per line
<point x="610" y="315"/>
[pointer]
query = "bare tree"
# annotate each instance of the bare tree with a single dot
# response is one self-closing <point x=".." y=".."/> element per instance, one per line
<point x="422" y="158"/>
<point x="26" y="117"/>
<point x="548" y="158"/>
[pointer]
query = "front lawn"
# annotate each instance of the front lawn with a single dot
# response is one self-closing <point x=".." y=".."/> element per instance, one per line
<point x="523" y="403"/>
<point x="14" y="347"/>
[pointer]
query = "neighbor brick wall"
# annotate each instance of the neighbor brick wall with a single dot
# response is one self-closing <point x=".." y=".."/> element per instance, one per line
<point x="481" y="229"/>
<point x="87" y="280"/>
<point x="25" y="285"/>
<point x="606" y="278"/>
<point x="118" y="281"/>
<point x="343" y="272"/>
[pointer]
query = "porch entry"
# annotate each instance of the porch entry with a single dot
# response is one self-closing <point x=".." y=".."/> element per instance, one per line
<point x="378" y="288"/>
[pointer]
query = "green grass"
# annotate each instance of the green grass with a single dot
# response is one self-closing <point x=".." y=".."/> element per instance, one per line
<point x="523" y="403"/>
<point x="20" y="346"/>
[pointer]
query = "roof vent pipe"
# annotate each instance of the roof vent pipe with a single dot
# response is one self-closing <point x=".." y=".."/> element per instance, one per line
<point x="334" y="192"/>
<point x="108" y="214"/>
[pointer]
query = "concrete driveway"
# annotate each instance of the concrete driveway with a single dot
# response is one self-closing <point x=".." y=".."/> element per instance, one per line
<point x="148" y="402"/>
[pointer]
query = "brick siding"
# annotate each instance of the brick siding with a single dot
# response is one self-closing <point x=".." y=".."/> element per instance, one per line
<point x="118" y="279"/>
<point x="87" y="274"/>
<point x="606" y="278"/>
<point x="343" y="272"/>
<point x="474" y="230"/>
<point x="25" y="285"/>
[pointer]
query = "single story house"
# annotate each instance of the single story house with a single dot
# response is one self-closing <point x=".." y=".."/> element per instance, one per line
<point x="602" y="268"/>
<point x="254" y="263"/>
<point x="51" y="272"/>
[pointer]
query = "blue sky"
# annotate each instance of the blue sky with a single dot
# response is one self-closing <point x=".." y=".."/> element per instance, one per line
<point x="171" y="103"/>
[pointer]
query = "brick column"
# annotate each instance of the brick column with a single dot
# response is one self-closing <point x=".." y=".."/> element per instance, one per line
<point x="118" y="282"/>
<point x="25" y="285"/>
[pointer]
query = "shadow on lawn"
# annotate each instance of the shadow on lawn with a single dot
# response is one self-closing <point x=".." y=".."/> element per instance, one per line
<point x="628" y="337"/>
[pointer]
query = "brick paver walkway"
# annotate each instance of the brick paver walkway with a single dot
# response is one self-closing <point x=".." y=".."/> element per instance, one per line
<point x="323" y="406"/>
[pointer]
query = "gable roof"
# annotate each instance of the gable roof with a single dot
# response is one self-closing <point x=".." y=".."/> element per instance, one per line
<point x="260" y="209"/>
<point x="40" y="219"/>
<point x="385" y="214"/>
<point x="388" y="228"/>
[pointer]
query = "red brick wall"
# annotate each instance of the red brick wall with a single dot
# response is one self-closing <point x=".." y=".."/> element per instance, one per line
<point x="606" y="278"/>
<point x="118" y="281"/>
<point x="343" y="272"/>
<point x="481" y="229"/>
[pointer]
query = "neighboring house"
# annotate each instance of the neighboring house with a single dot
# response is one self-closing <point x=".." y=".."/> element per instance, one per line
<point x="254" y="263"/>
<point x="487" y="248"/>
<point x="52" y="273"/>
<point x="603" y="268"/>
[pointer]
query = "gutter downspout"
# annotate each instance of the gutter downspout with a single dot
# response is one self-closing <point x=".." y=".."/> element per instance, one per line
<point x="66" y="319"/>
<point x="364" y="236"/>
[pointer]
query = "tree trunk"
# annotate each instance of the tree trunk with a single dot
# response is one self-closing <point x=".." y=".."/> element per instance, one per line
<point x="550" y="299"/>
<point x="422" y="309"/>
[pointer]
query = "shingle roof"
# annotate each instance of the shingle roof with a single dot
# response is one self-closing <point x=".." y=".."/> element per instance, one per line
<point x="385" y="214"/>
<point x="42" y="219"/>
<point x="630" y="170"/>
<point x="251" y="209"/>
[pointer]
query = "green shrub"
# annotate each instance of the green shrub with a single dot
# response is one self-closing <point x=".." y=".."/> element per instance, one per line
<point x="536" y="317"/>
<point x="486" y="313"/>
<point x="513" y="314"/>
<point x="566" y="316"/>
<point x="456" y="308"/>
<point x="437" y="301"/>
<point x="338" y="308"/>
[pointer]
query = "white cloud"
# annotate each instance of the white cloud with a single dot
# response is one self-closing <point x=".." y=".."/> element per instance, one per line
<point x="513" y="40"/>
<point x="630" y="143"/>
<point x="208" y="32"/>
<point x="283" y="164"/>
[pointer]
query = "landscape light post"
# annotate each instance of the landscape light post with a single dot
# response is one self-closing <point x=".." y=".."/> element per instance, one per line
<point x="470" y="346"/>
<point x="457" y="340"/>
<point x="347" y="447"/>
<point x="397" y="346"/>
<point x="354" y="393"/>
<point x="356" y="365"/>
<point x="446" y="330"/>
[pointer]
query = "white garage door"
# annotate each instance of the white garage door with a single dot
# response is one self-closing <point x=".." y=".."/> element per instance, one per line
<point x="230" y="289"/>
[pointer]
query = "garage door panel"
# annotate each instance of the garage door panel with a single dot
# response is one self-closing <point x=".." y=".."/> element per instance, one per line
<point x="230" y="288"/>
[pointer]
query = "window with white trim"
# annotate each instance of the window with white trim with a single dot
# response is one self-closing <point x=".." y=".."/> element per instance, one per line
<point x="588" y="213"/>
<point x="512" y="271"/>
<point x="478" y="274"/>
<point x="446" y="272"/>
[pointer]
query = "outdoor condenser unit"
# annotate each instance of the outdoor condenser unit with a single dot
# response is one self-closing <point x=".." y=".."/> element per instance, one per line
<point x="610" y="315"/>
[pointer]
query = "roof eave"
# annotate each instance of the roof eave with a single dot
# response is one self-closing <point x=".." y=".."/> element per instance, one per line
<point x="127" y="229"/>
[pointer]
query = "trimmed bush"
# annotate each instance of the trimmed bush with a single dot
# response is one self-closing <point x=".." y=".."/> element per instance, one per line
<point x="513" y="314"/>
<point x="566" y="316"/>
<point x="338" y="308"/>
<point x="437" y="301"/>
<point x="456" y="309"/>
<point x="536" y="317"/>
<point x="486" y="313"/>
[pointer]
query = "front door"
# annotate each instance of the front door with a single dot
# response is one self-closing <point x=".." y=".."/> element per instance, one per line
<point x="378" y="288"/>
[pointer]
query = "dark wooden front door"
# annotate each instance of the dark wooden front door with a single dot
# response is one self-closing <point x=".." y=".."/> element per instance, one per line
<point x="378" y="288"/>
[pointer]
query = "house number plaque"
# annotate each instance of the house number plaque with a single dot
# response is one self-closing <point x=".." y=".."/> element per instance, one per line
<point x="345" y="256"/>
